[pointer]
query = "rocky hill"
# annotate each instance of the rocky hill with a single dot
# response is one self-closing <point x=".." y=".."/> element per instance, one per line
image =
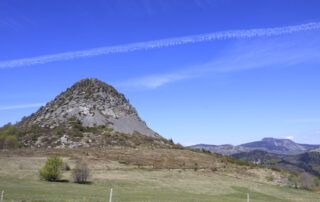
<point x="90" y="112"/>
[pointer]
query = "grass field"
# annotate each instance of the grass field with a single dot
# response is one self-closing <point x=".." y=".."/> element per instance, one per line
<point x="19" y="179"/>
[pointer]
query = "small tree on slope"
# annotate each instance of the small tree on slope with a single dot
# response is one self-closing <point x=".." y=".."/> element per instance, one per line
<point x="52" y="169"/>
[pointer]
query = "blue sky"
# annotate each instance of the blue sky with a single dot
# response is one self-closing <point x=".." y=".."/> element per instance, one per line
<point x="235" y="87"/>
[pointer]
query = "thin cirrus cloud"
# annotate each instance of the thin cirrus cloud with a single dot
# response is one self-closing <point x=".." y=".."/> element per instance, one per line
<point x="23" y="106"/>
<point x="242" y="56"/>
<point x="289" y="137"/>
<point x="155" y="81"/>
<point x="231" y="34"/>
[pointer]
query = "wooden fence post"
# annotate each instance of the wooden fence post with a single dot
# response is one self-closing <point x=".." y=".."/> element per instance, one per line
<point x="2" y="196"/>
<point x="110" y="197"/>
<point x="248" y="197"/>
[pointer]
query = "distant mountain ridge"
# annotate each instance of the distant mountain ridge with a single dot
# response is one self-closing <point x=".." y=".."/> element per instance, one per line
<point x="272" y="145"/>
<point x="272" y="152"/>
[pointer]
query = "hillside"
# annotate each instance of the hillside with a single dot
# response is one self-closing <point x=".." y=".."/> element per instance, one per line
<point x="90" y="113"/>
<point x="259" y="157"/>
<point x="307" y="162"/>
<point x="144" y="175"/>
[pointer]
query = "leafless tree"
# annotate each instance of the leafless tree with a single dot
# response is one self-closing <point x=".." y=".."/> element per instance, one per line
<point x="81" y="172"/>
<point x="307" y="181"/>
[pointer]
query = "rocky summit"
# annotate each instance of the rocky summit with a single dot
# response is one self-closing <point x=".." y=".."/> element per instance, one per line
<point x="90" y="112"/>
<point x="93" y="103"/>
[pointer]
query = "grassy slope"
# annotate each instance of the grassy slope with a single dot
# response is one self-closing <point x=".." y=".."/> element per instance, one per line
<point x="19" y="179"/>
<point x="144" y="190"/>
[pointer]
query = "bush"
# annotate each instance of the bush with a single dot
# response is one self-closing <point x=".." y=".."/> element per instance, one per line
<point x="307" y="181"/>
<point x="293" y="180"/>
<point x="9" y="135"/>
<point x="52" y="169"/>
<point x="66" y="167"/>
<point x="270" y="178"/>
<point x="11" y="141"/>
<point x="81" y="172"/>
<point x="276" y="169"/>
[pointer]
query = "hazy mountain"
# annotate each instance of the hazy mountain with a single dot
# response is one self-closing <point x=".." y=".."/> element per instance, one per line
<point x="272" y="152"/>
<point x="272" y="145"/>
<point x="90" y="112"/>
<point x="279" y="146"/>
<point x="226" y="149"/>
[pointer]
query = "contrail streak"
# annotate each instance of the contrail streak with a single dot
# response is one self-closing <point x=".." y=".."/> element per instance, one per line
<point x="20" y="106"/>
<point x="231" y="34"/>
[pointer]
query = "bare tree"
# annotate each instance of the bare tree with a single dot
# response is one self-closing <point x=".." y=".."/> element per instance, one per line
<point x="307" y="181"/>
<point x="81" y="172"/>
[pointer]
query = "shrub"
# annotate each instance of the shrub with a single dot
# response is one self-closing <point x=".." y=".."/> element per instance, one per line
<point x="195" y="167"/>
<point x="293" y="180"/>
<point x="66" y="167"/>
<point x="11" y="141"/>
<point x="81" y="172"/>
<point x="52" y="169"/>
<point x="276" y="169"/>
<point x="317" y="181"/>
<point x="9" y="135"/>
<point x="178" y="146"/>
<point x="307" y="181"/>
<point x="214" y="169"/>
<point x="270" y="178"/>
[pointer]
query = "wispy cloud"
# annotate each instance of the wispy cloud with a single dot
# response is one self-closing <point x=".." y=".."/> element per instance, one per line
<point x="243" y="55"/>
<point x="155" y="81"/>
<point x="10" y="107"/>
<point x="231" y="34"/>
<point x="289" y="137"/>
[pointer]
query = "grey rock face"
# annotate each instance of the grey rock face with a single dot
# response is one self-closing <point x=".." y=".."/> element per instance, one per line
<point x="91" y="103"/>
